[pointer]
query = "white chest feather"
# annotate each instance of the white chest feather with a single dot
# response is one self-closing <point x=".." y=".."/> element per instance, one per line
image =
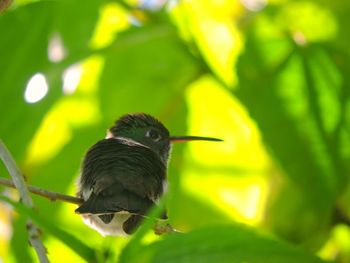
<point x="113" y="228"/>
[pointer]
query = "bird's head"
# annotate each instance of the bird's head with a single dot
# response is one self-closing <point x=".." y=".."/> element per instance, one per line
<point x="148" y="131"/>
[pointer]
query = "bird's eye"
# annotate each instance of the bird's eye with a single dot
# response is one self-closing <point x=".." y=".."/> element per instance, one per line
<point x="153" y="134"/>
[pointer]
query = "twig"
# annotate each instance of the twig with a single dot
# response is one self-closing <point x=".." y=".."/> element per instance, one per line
<point x="17" y="177"/>
<point x="53" y="196"/>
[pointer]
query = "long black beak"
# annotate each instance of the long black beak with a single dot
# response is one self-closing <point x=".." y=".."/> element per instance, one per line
<point x="174" y="139"/>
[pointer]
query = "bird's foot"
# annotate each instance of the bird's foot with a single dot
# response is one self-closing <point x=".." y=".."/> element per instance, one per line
<point x="161" y="228"/>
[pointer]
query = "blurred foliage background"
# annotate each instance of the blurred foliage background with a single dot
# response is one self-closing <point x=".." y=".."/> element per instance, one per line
<point x="271" y="78"/>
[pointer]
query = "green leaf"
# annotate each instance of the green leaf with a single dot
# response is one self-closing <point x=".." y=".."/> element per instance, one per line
<point x="146" y="70"/>
<point x="76" y="22"/>
<point x="277" y="100"/>
<point x="295" y="103"/>
<point x="235" y="243"/>
<point x="25" y="32"/>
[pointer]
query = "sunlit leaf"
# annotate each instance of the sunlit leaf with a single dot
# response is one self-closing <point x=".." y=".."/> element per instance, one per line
<point x="287" y="102"/>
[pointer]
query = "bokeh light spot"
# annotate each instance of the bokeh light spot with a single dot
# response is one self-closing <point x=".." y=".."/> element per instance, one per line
<point x="71" y="78"/>
<point x="56" y="51"/>
<point x="36" y="88"/>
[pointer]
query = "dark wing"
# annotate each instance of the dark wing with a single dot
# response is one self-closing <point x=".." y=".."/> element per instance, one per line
<point x="122" y="177"/>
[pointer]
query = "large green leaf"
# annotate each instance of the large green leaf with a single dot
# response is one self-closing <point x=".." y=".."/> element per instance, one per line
<point x="235" y="243"/>
<point x="25" y="32"/>
<point x="294" y="98"/>
<point x="75" y="22"/>
<point x="146" y="69"/>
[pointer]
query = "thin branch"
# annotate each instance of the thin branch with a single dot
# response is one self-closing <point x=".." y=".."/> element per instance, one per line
<point x="53" y="196"/>
<point x="17" y="177"/>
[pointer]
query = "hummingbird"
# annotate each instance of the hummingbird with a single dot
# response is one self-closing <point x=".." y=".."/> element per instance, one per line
<point x="124" y="175"/>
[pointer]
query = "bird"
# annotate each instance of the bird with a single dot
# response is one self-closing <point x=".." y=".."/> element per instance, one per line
<point x="125" y="174"/>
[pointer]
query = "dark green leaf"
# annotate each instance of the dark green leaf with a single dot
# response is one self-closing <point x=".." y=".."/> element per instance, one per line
<point x="235" y="243"/>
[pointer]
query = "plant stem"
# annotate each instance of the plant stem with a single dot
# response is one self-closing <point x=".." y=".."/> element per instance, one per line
<point x="18" y="180"/>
